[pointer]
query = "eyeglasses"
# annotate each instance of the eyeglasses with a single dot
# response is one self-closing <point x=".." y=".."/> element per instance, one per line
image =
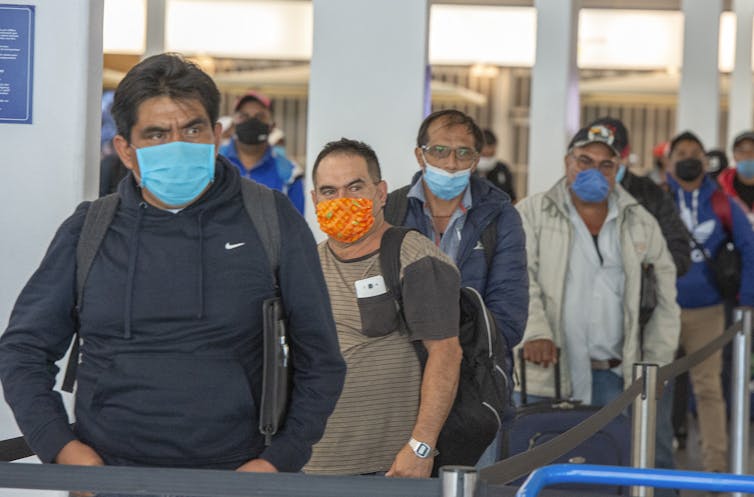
<point x="586" y="162"/>
<point x="440" y="152"/>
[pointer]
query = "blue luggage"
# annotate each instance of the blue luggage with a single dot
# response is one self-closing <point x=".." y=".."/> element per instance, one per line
<point x="539" y="422"/>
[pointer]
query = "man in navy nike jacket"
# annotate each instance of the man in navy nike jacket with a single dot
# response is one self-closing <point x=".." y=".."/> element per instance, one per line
<point x="171" y="315"/>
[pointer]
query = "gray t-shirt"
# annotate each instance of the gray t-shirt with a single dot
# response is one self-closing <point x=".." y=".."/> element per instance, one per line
<point x="377" y="409"/>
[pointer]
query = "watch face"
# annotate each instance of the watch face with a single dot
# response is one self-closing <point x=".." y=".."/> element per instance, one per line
<point x="422" y="450"/>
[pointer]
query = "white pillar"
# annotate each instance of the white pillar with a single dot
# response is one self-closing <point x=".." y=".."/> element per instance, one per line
<point x="554" y="114"/>
<point x="699" y="94"/>
<point x="368" y="82"/>
<point x="500" y="118"/>
<point x="155" y="32"/>
<point x="52" y="164"/>
<point x="740" y="89"/>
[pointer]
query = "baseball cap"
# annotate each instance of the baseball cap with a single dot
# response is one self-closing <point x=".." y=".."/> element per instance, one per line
<point x="594" y="134"/>
<point x="746" y="135"/>
<point x="253" y="95"/>
<point x="620" y="143"/>
<point x="661" y="150"/>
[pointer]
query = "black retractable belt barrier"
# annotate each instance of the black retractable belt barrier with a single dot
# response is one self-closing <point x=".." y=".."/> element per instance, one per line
<point x="522" y="464"/>
<point x="687" y="362"/>
<point x="215" y="483"/>
<point x="14" y="449"/>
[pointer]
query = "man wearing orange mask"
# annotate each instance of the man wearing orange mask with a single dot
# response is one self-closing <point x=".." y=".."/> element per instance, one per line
<point x="390" y="413"/>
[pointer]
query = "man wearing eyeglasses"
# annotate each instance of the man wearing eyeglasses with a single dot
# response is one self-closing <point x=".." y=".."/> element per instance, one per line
<point x="471" y="220"/>
<point x="586" y="240"/>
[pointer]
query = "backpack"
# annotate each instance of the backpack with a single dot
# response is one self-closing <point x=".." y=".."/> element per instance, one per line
<point x="396" y="209"/>
<point x="259" y="203"/>
<point x="727" y="261"/>
<point x="483" y="402"/>
<point x="726" y="265"/>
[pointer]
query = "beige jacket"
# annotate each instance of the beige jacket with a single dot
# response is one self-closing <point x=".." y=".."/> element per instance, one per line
<point x="548" y="243"/>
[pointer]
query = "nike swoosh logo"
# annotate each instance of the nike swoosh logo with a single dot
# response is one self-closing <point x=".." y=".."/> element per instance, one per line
<point x="231" y="246"/>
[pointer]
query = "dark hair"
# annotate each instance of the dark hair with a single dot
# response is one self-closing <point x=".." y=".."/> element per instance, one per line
<point x="345" y="146"/>
<point x="489" y="137"/>
<point x="169" y="75"/>
<point x="452" y="117"/>
<point x="717" y="161"/>
<point x="685" y="136"/>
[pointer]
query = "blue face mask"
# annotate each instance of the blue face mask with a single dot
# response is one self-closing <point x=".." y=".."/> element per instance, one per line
<point x="591" y="186"/>
<point x="176" y="172"/>
<point x="444" y="184"/>
<point x="745" y="168"/>
<point x="621" y="173"/>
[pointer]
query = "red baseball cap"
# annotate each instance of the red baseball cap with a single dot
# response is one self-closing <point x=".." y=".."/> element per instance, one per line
<point x="253" y="95"/>
<point x="661" y="150"/>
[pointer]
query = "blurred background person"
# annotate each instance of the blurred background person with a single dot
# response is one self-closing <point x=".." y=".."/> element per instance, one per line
<point x="699" y="295"/>
<point x="493" y="169"/>
<point x="659" y="166"/>
<point x="717" y="162"/>
<point x="250" y="151"/>
<point x="738" y="182"/>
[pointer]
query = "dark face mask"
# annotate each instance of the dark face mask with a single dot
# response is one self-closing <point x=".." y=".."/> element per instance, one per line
<point x="688" y="169"/>
<point x="252" y="131"/>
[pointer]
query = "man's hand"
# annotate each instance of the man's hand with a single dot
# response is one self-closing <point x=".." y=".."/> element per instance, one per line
<point x="258" y="466"/>
<point x="79" y="454"/>
<point x="408" y="465"/>
<point x="542" y="352"/>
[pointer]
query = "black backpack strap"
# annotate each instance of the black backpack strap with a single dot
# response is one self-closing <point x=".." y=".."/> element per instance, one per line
<point x="97" y="221"/>
<point x="260" y="205"/>
<point x="396" y="206"/>
<point x="489" y="242"/>
<point x="259" y="202"/>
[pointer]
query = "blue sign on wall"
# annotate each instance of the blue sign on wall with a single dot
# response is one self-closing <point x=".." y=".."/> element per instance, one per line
<point x="16" y="63"/>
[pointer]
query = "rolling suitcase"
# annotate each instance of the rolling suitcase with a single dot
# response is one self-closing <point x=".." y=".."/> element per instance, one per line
<point x="539" y="422"/>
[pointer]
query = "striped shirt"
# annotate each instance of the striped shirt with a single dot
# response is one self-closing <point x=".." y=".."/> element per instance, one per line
<point x="377" y="409"/>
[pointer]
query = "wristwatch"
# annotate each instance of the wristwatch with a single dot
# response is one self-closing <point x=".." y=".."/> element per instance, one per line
<point x="421" y="449"/>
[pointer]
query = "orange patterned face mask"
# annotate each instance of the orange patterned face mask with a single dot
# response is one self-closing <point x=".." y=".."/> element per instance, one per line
<point x="345" y="219"/>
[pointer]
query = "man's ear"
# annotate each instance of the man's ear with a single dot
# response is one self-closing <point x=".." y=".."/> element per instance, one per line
<point x="565" y="161"/>
<point x="382" y="193"/>
<point x="218" y="132"/>
<point x="126" y="153"/>
<point x="419" y="157"/>
<point x="314" y="196"/>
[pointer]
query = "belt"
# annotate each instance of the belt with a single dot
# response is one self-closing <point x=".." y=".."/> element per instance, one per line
<point x="604" y="364"/>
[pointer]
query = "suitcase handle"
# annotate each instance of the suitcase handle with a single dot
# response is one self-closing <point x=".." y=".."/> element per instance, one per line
<point x="524" y="398"/>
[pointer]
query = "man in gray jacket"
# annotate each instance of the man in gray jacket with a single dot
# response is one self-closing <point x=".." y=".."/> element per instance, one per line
<point x="587" y="303"/>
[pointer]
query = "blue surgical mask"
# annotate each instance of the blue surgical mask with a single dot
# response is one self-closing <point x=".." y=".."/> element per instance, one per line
<point x="176" y="172"/>
<point x="445" y="185"/>
<point x="745" y="168"/>
<point x="621" y="173"/>
<point x="591" y="186"/>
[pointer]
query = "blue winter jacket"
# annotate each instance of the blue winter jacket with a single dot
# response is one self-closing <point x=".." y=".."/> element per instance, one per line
<point x="170" y="321"/>
<point x="505" y="285"/>
<point x="697" y="287"/>
<point x="274" y="171"/>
